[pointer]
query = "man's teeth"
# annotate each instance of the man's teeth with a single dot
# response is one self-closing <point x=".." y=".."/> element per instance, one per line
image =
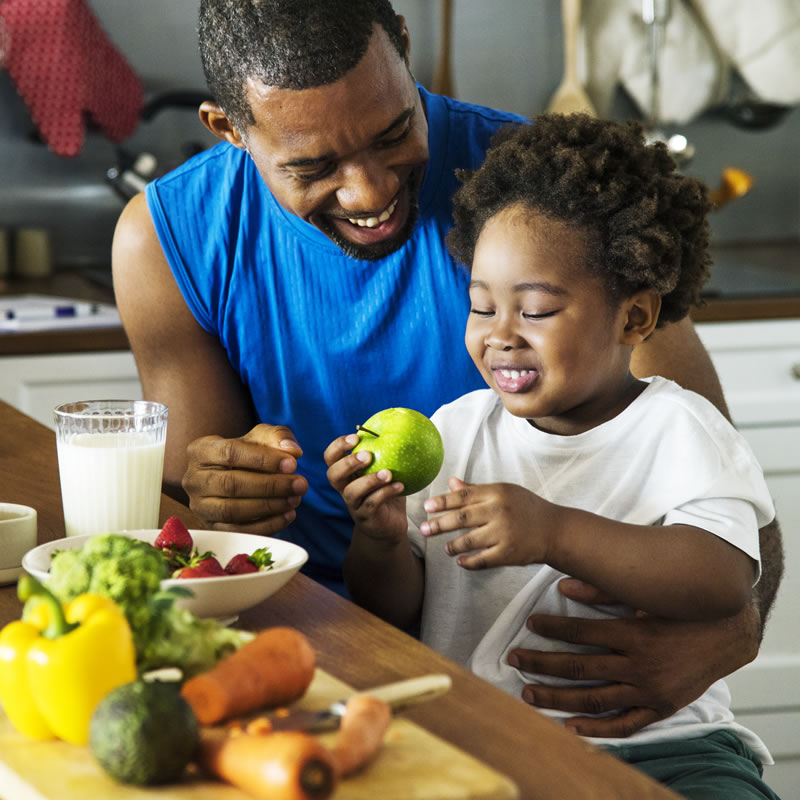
<point x="371" y="222"/>
<point x="514" y="373"/>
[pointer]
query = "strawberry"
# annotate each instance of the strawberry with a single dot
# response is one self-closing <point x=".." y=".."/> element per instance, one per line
<point x="195" y="572"/>
<point x="242" y="563"/>
<point x="209" y="564"/>
<point x="174" y="537"/>
<point x="199" y="566"/>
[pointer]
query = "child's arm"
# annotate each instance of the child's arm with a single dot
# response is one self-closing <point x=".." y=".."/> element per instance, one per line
<point x="381" y="571"/>
<point x="675" y="571"/>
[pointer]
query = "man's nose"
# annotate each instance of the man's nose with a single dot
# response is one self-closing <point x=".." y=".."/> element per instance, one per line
<point x="368" y="187"/>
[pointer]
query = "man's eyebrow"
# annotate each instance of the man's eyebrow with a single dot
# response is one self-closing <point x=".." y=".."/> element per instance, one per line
<point x="305" y="162"/>
<point x="401" y="118"/>
<point x="536" y="286"/>
<point x="310" y="162"/>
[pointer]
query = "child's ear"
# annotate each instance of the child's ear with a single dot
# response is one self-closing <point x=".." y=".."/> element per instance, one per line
<point x="640" y="316"/>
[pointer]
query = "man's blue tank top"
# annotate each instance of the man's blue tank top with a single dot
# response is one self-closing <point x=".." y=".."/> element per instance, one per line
<point x="322" y="341"/>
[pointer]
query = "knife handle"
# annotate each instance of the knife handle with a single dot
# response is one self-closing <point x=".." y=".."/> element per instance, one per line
<point x="413" y="690"/>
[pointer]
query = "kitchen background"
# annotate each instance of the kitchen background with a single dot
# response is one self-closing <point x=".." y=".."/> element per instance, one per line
<point x="505" y="53"/>
<point x="508" y="54"/>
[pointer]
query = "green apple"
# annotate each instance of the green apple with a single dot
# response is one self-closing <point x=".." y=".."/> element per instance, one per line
<point x="405" y="442"/>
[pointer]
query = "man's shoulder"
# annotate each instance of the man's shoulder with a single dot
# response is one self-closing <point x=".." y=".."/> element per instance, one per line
<point x="459" y="135"/>
<point x="207" y="166"/>
<point x="492" y="116"/>
<point x="461" y="108"/>
<point x="469" y="124"/>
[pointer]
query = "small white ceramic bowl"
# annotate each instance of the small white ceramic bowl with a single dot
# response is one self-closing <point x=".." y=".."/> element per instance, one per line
<point x="17" y="536"/>
<point x="224" y="597"/>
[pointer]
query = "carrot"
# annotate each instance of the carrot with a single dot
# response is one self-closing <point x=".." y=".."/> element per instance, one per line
<point x="361" y="731"/>
<point x="277" y="766"/>
<point x="274" y="668"/>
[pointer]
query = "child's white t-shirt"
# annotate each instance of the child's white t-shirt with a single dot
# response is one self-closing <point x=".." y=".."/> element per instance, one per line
<point x="669" y="458"/>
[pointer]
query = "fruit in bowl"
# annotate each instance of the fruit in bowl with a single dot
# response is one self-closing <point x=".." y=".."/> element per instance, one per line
<point x="222" y="595"/>
<point x="184" y="559"/>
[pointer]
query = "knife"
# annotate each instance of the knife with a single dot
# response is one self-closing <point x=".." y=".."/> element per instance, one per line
<point x="397" y="695"/>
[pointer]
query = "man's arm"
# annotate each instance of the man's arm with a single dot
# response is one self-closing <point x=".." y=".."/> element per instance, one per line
<point x="676" y="352"/>
<point x="179" y="364"/>
<point x="771" y="544"/>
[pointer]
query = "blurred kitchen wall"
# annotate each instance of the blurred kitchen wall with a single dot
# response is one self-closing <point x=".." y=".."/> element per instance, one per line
<point x="506" y="53"/>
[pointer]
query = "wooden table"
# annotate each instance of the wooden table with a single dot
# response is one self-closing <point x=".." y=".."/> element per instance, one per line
<point x="544" y="760"/>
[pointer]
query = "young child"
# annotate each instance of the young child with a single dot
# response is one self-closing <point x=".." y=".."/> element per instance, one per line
<point x="582" y="239"/>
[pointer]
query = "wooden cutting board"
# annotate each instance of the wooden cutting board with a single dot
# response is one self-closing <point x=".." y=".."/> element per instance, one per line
<point x="413" y="765"/>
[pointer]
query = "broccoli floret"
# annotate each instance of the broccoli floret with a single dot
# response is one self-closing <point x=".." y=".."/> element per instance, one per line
<point x="69" y="574"/>
<point x="126" y="570"/>
<point x="130" y="582"/>
<point x="183" y="640"/>
<point x="130" y="573"/>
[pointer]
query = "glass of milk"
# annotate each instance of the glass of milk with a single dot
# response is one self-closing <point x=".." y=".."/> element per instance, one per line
<point x="110" y="461"/>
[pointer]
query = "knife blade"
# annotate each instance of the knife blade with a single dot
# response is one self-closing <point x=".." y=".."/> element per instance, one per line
<point x="398" y="695"/>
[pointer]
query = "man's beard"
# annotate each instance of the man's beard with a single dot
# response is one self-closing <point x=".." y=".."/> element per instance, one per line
<point x="375" y="252"/>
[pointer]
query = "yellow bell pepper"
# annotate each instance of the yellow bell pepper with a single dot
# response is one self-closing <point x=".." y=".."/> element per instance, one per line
<point x="59" y="663"/>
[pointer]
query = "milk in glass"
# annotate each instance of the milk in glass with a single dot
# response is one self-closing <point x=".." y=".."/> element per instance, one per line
<point x="110" y="462"/>
<point x="110" y="481"/>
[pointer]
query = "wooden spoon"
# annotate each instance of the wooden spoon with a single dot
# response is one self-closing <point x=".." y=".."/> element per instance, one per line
<point x="443" y="73"/>
<point x="570" y="97"/>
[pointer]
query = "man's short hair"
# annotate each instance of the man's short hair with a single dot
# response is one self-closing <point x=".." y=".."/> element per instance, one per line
<point x="290" y="44"/>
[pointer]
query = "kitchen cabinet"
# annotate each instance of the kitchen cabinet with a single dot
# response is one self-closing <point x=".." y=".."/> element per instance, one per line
<point x="36" y="384"/>
<point x="759" y="366"/>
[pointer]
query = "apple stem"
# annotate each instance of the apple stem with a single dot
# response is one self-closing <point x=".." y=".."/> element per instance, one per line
<point x="366" y="430"/>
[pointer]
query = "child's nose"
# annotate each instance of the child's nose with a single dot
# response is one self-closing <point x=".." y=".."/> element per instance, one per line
<point x="502" y="337"/>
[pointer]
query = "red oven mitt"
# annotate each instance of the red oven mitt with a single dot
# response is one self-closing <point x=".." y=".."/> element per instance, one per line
<point x="63" y="66"/>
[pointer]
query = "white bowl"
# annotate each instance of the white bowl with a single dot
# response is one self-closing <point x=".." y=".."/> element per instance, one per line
<point x="221" y="597"/>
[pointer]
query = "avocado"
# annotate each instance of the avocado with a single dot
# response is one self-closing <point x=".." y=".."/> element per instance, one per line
<point x="144" y="733"/>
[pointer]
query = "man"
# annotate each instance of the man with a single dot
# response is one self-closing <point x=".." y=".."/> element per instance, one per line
<point x="280" y="288"/>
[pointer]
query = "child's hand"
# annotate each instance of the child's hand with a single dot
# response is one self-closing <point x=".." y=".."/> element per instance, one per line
<point x="509" y="524"/>
<point x="374" y="501"/>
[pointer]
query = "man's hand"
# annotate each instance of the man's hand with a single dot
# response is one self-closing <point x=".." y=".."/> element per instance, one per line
<point x="247" y="484"/>
<point x="654" y="667"/>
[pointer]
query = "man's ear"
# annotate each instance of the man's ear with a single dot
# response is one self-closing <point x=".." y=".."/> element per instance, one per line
<point x="406" y="38"/>
<point x="213" y="117"/>
<point x="640" y="316"/>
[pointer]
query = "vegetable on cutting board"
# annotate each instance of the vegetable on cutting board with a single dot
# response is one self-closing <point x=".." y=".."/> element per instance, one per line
<point x="277" y="766"/>
<point x="364" y="724"/>
<point x="144" y="733"/>
<point x="273" y="669"/>
<point x="293" y="765"/>
<point x="58" y="664"/>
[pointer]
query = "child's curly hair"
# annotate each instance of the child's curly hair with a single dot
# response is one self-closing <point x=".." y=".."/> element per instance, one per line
<point x="646" y="223"/>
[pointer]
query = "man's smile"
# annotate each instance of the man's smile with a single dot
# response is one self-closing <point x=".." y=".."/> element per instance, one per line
<point x="375" y="227"/>
<point x="373" y="222"/>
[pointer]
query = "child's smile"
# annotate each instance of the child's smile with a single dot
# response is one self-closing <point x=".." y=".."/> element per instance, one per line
<point x="513" y="379"/>
<point x="542" y="329"/>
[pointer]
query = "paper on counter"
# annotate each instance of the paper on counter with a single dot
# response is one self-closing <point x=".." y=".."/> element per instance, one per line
<point x="38" y="313"/>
